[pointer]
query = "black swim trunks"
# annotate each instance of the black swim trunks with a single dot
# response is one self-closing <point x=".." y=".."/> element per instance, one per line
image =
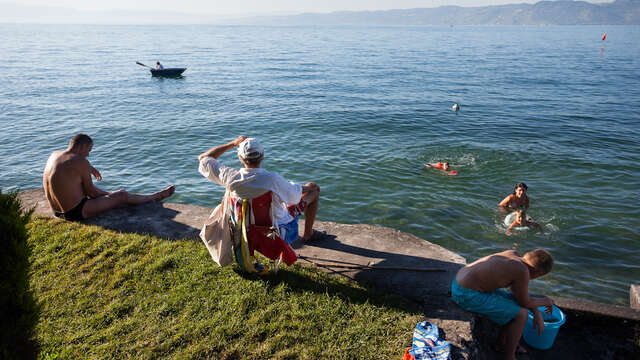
<point x="74" y="214"/>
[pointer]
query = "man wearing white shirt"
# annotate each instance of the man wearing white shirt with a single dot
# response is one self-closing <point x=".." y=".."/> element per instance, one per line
<point x="289" y="199"/>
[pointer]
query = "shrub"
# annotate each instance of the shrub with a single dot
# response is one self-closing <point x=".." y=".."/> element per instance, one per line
<point x="18" y="311"/>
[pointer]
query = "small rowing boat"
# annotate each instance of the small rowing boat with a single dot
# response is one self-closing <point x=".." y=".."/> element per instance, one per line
<point x="167" y="72"/>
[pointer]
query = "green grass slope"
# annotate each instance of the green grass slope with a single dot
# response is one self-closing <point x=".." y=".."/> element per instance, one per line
<point x="107" y="295"/>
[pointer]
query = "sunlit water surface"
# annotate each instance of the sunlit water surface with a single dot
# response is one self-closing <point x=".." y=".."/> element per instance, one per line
<point x="359" y="110"/>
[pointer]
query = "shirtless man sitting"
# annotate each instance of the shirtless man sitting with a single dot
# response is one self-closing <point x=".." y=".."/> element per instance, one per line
<point x="70" y="190"/>
<point x="478" y="287"/>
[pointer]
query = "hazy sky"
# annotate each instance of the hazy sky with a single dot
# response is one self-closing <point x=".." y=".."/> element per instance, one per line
<point x="224" y="7"/>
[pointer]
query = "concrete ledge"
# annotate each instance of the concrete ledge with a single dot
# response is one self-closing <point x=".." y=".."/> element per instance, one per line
<point x="634" y="297"/>
<point x="166" y="220"/>
<point x="598" y="309"/>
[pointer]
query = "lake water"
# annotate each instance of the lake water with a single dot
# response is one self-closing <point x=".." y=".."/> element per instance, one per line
<point x="359" y="110"/>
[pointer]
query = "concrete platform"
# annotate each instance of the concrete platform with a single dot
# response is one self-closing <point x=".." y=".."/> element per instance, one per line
<point x="592" y="330"/>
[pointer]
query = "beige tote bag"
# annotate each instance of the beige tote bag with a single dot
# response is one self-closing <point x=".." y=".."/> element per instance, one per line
<point x="216" y="233"/>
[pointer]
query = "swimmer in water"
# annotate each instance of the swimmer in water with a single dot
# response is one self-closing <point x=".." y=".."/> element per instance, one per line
<point x="520" y="220"/>
<point x="518" y="199"/>
<point x="444" y="166"/>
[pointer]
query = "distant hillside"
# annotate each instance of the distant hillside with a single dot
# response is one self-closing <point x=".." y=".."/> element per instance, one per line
<point x="620" y="12"/>
<point x="17" y="13"/>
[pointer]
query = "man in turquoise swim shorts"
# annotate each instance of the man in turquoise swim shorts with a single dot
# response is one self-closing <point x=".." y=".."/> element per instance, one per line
<point x="479" y="287"/>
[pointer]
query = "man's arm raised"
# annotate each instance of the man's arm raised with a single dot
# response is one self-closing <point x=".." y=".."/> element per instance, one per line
<point x="216" y="151"/>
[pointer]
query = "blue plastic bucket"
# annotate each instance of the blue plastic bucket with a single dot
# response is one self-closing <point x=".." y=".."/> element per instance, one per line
<point x="552" y="323"/>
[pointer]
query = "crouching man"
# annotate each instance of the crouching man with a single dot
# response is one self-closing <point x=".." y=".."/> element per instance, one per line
<point x="479" y="287"/>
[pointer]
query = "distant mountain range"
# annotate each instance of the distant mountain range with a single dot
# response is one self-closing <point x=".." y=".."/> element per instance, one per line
<point x="619" y="12"/>
<point x="17" y="13"/>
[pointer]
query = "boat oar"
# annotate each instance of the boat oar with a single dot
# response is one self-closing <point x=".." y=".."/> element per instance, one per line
<point x="141" y="64"/>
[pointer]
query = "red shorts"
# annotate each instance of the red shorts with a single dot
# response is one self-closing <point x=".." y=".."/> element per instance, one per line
<point x="297" y="209"/>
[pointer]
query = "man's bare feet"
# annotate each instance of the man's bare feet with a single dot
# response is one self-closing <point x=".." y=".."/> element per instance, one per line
<point x="316" y="235"/>
<point x="519" y="349"/>
<point x="161" y="195"/>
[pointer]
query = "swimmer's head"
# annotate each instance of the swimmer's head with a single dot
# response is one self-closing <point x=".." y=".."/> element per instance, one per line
<point x="157" y="62"/>
<point x="520" y="217"/>
<point x="445" y="166"/>
<point x="520" y="189"/>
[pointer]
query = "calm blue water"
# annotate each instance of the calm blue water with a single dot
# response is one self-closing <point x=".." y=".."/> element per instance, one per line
<point x="359" y="110"/>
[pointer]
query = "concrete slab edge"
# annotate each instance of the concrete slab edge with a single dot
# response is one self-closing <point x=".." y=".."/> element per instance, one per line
<point x="600" y="309"/>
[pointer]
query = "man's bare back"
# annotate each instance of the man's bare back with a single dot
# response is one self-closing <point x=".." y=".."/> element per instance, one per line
<point x="478" y="288"/>
<point x="493" y="272"/>
<point x="70" y="190"/>
<point x="62" y="180"/>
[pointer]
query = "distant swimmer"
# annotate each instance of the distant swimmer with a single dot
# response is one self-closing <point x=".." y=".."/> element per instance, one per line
<point x="455" y="107"/>
<point x="521" y="220"/>
<point x="159" y="66"/>
<point x="518" y="199"/>
<point x="444" y="166"/>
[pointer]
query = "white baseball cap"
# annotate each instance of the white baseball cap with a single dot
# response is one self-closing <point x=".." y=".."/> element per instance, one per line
<point x="250" y="148"/>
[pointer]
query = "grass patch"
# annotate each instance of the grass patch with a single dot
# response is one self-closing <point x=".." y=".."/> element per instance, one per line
<point x="127" y="296"/>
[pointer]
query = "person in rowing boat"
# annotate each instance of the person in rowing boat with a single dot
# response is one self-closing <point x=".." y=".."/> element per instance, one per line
<point x="70" y="191"/>
<point x="159" y="66"/>
<point x="289" y="200"/>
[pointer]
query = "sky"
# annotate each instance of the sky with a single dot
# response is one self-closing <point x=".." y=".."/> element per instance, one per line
<point x="231" y="7"/>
